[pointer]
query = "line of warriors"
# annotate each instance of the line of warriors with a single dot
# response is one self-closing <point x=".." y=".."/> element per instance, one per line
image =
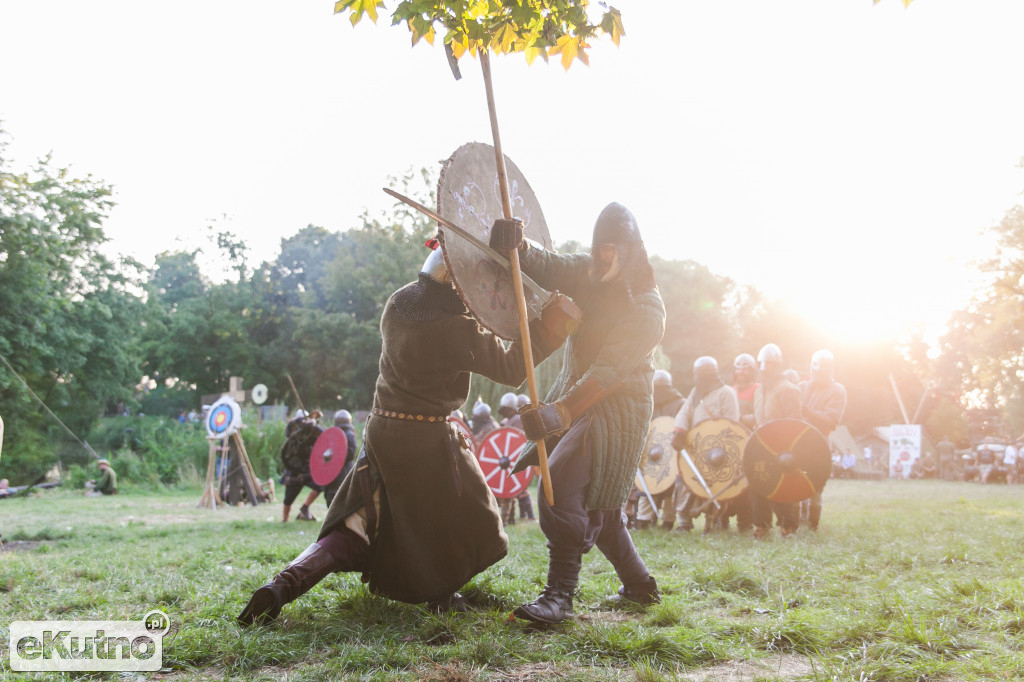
<point x="754" y="398"/>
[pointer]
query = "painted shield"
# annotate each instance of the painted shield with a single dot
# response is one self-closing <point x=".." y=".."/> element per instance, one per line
<point x="468" y="194"/>
<point x="224" y="418"/>
<point x="497" y="456"/>
<point x="658" y="463"/>
<point x="716" y="448"/>
<point x="787" y="460"/>
<point x="328" y="456"/>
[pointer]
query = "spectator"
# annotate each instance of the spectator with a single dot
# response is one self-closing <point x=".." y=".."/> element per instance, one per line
<point x="849" y="463"/>
<point x="1010" y="456"/>
<point x="107" y="485"/>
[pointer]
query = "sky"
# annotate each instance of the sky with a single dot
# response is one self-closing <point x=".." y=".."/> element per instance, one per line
<point x="841" y="156"/>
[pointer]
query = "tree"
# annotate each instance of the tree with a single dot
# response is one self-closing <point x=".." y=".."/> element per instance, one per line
<point x="71" y="322"/>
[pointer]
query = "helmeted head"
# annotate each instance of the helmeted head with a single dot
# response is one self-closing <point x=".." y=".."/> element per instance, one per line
<point x="792" y="376"/>
<point x="300" y="414"/>
<point x="744" y="369"/>
<point x="823" y="367"/>
<point x="769" y="358"/>
<point x="435" y="268"/>
<point x="481" y="409"/>
<point x="662" y="378"/>
<point x="617" y="250"/>
<point x="508" y="405"/>
<point x="342" y="418"/>
<point x="705" y="374"/>
<point x="523" y="400"/>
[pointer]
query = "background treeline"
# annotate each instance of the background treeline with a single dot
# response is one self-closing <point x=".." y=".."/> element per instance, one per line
<point x="96" y="337"/>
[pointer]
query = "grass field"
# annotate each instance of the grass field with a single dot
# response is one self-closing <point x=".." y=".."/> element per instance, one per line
<point x="906" y="580"/>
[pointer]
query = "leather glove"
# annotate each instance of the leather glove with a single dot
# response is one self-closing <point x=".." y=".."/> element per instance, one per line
<point x="679" y="439"/>
<point x="541" y="421"/>
<point x="507" y="235"/>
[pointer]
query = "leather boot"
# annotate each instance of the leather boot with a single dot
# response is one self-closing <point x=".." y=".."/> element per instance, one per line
<point x="309" y="568"/>
<point x="339" y="550"/>
<point x="814" y="516"/>
<point x="645" y="592"/>
<point x="304" y="514"/>
<point x="554" y="604"/>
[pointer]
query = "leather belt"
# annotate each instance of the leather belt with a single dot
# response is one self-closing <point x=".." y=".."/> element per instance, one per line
<point x="407" y="416"/>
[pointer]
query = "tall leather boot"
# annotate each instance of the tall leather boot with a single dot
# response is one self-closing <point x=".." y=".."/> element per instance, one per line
<point x="341" y="550"/>
<point x="554" y="604"/>
<point x="814" y="516"/>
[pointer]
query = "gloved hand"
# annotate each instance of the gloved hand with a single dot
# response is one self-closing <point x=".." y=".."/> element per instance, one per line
<point x="506" y="235"/>
<point x="541" y="421"/>
<point x="679" y="439"/>
<point x="559" y="318"/>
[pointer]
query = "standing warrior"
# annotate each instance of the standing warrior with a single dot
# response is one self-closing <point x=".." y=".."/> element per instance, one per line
<point x="775" y="398"/>
<point x="710" y="398"/>
<point x="596" y="414"/>
<point x="822" y="403"/>
<point x="667" y="401"/>
<point x="381" y="522"/>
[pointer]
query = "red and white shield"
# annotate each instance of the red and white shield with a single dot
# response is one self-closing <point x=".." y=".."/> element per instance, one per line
<point x="328" y="456"/>
<point x="497" y="455"/>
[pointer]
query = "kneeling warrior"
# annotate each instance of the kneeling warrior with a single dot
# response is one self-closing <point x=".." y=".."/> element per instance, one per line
<point x="415" y="516"/>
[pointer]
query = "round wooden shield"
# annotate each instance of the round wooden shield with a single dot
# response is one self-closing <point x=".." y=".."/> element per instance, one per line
<point x="497" y="456"/>
<point x="328" y="456"/>
<point x="787" y="460"/>
<point x="468" y="194"/>
<point x="464" y="429"/>
<point x="224" y="418"/>
<point x="658" y="463"/>
<point x="716" y="448"/>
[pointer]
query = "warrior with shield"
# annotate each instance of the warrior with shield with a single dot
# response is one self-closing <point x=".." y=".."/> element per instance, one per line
<point x="667" y="401"/>
<point x="594" y="420"/>
<point x="822" y="403"/>
<point x="385" y="521"/>
<point x="710" y="398"/>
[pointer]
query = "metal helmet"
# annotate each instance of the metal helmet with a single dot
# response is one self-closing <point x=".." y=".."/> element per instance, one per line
<point x="342" y="417"/>
<point x="769" y="353"/>
<point x="662" y="378"/>
<point x="510" y="401"/>
<point x="705" y="363"/>
<point x="744" y="361"/>
<point x="792" y="376"/>
<point x="435" y="268"/>
<point x="523" y="400"/>
<point x="615" y="225"/>
<point x="481" y="409"/>
<point x="300" y="414"/>
<point x="823" y="366"/>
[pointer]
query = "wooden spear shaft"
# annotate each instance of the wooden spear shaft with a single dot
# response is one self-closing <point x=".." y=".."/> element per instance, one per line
<point x="517" y="275"/>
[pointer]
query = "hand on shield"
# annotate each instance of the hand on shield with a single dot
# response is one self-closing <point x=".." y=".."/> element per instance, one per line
<point x="507" y="235"/>
<point x="679" y="441"/>
<point x="541" y="421"/>
<point x="559" y="318"/>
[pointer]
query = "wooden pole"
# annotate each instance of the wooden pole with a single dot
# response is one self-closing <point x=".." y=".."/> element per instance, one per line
<point x="517" y="275"/>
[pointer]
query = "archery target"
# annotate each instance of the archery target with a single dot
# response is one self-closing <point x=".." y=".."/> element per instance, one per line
<point x="224" y="418"/>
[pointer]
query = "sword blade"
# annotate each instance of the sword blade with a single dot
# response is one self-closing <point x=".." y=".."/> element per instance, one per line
<point x="700" y="479"/>
<point x="528" y="283"/>
<point x="647" y="492"/>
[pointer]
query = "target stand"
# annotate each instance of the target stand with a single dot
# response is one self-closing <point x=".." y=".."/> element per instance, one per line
<point x="223" y="424"/>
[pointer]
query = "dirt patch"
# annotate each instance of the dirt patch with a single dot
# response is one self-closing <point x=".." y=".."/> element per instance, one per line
<point x="785" y="666"/>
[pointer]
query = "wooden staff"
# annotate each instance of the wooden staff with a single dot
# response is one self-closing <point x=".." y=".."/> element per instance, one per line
<point x="517" y="275"/>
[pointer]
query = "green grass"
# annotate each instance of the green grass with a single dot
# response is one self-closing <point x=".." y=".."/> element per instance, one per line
<point x="910" y="580"/>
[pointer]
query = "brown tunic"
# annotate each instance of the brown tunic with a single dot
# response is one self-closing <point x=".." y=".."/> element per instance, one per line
<point x="439" y="524"/>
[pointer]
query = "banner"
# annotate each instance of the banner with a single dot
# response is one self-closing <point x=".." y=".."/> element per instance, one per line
<point x="904" y="448"/>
